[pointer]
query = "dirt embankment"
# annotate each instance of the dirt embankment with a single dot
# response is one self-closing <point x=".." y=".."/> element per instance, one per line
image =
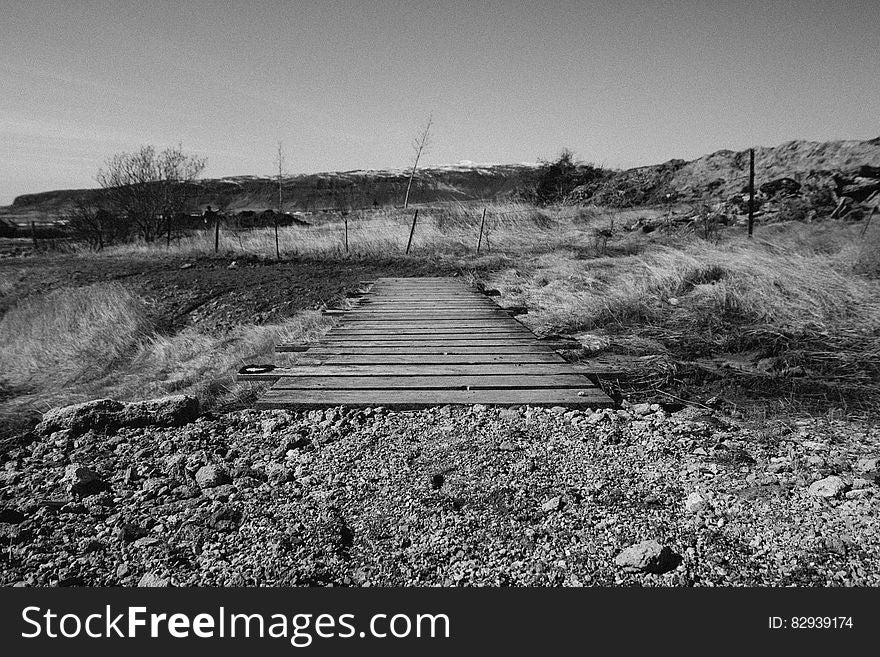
<point x="450" y="496"/>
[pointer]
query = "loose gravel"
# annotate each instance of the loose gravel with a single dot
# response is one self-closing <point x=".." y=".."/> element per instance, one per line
<point x="454" y="496"/>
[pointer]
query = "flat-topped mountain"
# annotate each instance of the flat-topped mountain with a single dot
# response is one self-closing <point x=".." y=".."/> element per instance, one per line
<point x="831" y="165"/>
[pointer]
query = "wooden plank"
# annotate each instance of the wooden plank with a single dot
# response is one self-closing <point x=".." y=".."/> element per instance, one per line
<point x="452" y="346"/>
<point x="402" y="399"/>
<point x="422" y="317"/>
<point x="432" y="328"/>
<point x="473" y="382"/>
<point x="421" y="305"/>
<point x="427" y="311"/>
<point x="430" y="341"/>
<point x="368" y="349"/>
<point x="513" y="369"/>
<point x="437" y="323"/>
<point x="433" y="359"/>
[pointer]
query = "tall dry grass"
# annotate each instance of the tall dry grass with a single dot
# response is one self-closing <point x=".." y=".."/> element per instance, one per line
<point x="454" y="229"/>
<point x="807" y="296"/>
<point x="75" y="344"/>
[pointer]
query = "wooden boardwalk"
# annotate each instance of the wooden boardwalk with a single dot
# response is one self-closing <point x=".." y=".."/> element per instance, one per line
<point x="420" y="342"/>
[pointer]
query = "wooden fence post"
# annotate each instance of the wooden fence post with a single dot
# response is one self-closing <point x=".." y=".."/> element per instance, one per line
<point x="34" y="236"/>
<point x="480" y="238"/>
<point x="412" y="230"/>
<point x="168" y="242"/>
<point x="277" y="250"/>
<point x="751" y="191"/>
<point x="345" y="218"/>
<point x="868" y="220"/>
<point x="217" y="233"/>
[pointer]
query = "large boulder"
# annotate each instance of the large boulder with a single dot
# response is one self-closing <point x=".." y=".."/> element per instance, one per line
<point x="109" y="414"/>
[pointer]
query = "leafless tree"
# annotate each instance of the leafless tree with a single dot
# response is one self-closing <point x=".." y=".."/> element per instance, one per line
<point x="148" y="187"/>
<point x="421" y="143"/>
<point x="280" y="160"/>
<point x="92" y="224"/>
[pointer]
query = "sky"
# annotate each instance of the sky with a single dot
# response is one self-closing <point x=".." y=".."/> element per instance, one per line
<point x="346" y="85"/>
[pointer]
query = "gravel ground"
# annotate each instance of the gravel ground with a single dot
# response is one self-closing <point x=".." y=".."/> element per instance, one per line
<point x="448" y="496"/>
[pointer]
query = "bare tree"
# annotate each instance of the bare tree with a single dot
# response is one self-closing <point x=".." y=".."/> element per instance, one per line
<point x="148" y="188"/>
<point x="280" y="161"/>
<point x="93" y="224"/>
<point x="421" y="142"/>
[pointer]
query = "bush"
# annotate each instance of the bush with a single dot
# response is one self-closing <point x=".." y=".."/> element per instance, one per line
<point x="559" y="179"/>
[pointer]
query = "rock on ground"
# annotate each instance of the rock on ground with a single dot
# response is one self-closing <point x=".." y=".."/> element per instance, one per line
<point x="828" y="487"/>
<point x="648" y="557"/>
<point x="109" y="414"/>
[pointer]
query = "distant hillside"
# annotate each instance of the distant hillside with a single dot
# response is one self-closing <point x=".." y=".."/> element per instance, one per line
<point x="309" y="192"/>
<point x="832" y="165"/>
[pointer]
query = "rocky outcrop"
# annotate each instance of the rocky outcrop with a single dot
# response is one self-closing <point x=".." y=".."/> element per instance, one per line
<point x="109" y="414"/>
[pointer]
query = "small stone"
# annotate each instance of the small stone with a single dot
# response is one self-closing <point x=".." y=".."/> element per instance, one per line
<point x="509" y="414"/>
<point x="552" y="504"/>
<point x="694" y="503"/>
<point x="130" y="474"/>
<point x="868" y="464"/>
<point x="479" y="408"/>
<point x="209" y="476"/>
<point x="279" y="474"/>
<point x="222" y="492"/>
<point x="130" y="532"/>
<point x="829" y="487"/>
<point x="186" y="265"/>
<point x="558" y="410"/>
<point x="226" y="518"/>
<point x="147" y="541"/>
<point x="648" y="557"/>
<point x="152" y="580"/>
<point x="232" y="265"/>
<point x="507" y="446"/>
<point x="641" y="409"/>
<point x="83" y="481"/>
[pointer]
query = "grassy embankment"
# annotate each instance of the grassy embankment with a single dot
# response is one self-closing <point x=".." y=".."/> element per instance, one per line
<point x="792" y="316"/>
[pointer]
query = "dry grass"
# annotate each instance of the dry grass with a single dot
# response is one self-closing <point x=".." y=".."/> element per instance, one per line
<point x="808" y="295"/>
<point x="802" y="295"/>
<point x="76" y="344"/>
<point x="451" y="230"/>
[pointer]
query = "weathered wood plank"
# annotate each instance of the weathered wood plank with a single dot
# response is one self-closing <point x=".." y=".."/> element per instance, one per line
<point x="368" y="349"/>
<point x="427" y="311"/>
<point x="426" y="318"/>
<point x="451" y="346"/>
<point x="430" y="328"/>
<point x="401" y="399"/>
<point x="432" y="359"/>
<point x="512" y="369"/>
<point x="525" y="382"/>
<point x="432" y="341"/>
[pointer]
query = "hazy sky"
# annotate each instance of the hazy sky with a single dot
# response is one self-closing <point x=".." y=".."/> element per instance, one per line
<point x="345" y="85"/>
